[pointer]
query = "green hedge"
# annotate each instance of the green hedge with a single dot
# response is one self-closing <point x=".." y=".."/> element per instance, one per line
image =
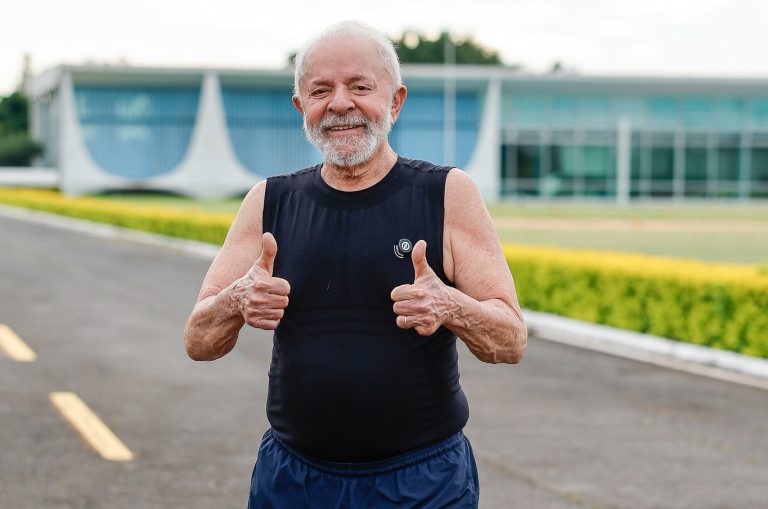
<point x="193" y="225"/>
<point x="717" y="305"/>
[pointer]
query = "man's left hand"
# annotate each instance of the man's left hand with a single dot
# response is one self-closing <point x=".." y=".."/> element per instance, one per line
<point x="425" y="304"/>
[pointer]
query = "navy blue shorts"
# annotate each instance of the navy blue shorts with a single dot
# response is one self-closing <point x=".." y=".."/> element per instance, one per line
<point x="441" y="475"/>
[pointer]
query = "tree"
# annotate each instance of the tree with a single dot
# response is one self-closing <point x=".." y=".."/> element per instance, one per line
<point x="16" y="146"/>
<point x="14" y="114"/>
<point x="414" y="48"/>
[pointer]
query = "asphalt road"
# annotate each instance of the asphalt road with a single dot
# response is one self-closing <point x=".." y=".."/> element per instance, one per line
<point x="566" y="428"/>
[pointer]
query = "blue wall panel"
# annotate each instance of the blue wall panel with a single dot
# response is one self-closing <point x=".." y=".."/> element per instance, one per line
<point x="266" y="133"/>
<point x="419" y="132"/>
<point x="136" y="132"/>
<point x="265" y="130"/>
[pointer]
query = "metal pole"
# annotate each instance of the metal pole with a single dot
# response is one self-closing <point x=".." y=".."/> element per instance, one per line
<point x="678" y="165"/>
<point x="745" y="163"/>
<point x="623" y="155"/>
<point x="449" y="102"/>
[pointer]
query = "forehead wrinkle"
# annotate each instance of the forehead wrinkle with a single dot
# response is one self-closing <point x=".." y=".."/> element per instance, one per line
<point x="334" y="43"/>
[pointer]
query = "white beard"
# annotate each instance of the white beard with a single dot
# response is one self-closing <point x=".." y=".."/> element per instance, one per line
<point x="349" y="150"/>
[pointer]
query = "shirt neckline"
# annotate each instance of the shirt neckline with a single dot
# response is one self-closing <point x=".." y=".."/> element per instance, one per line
<point x="385" y="182"/>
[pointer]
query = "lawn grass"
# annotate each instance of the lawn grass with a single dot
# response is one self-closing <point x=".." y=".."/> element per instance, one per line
<point x="582" y="230"/>
<point x="230" y="205"/>
<point x="698" y="210"/>
<point x="715" y="246"/>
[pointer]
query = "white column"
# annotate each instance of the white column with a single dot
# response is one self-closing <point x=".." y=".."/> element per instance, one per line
<point x="485" y="163"/>
<point x="623" y="159"/>
<point x="678" y="167"/>
<point x="449" y="104"/>
<point x="745" y="164"/>
<point x="210" y="168"/>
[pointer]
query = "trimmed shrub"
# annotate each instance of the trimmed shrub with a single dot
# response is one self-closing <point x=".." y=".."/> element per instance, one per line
<point x="201" y="226"/>
<point x="18" y="150"/>
<point x="717" y="305"/>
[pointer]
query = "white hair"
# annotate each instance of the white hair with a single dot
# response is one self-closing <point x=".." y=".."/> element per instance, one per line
<point x="384" y="48"/>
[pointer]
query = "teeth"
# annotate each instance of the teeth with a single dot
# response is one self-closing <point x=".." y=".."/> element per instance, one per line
<point x="343" y="128"/>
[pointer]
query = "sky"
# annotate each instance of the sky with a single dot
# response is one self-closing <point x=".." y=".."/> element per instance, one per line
<point x="726" y="38"/>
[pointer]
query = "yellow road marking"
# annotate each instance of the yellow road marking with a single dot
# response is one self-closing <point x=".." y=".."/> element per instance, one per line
<point x="90" y="427"/>
<point x="14" y="347"/>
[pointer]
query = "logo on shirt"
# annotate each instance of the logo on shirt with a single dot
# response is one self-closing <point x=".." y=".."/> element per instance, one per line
<point x="403" y="247"/>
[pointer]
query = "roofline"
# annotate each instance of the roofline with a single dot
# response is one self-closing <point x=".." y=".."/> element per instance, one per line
<point x="49" y="79"/>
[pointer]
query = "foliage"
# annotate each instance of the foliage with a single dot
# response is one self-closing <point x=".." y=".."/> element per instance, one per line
<point x="200" y="226"/>
<point x="14" y="114"/>
<point x="413" y="48"/>
<point x="18" y="150"/>
<point x="716" y="305"/>
<point x="16" y="147"/>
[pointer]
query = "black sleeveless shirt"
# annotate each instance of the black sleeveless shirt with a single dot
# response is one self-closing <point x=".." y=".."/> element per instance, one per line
<point x="346" y="384"/>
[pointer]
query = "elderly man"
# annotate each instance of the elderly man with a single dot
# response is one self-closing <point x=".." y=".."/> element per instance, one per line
<point x="383" y="261"/>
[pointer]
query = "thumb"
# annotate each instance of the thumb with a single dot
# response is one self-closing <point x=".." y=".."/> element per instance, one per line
<point x="419" y="259"/>
<point x="268" y="252"/>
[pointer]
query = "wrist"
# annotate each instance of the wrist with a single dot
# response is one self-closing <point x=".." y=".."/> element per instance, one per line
<point x="452" y="307"/>
<point x="235" y="296"/>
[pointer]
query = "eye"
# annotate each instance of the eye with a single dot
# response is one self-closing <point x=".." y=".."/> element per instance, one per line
<point x="361" y="88"/>
<point x="318" y="92"/>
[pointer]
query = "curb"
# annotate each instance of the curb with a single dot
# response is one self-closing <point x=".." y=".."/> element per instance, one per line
<point x="668" y="353"/>
<point x="696" y="359"/>
<point x="191" y="248"/>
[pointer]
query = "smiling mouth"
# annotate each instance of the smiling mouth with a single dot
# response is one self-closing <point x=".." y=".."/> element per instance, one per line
<point x="343" y="128"/>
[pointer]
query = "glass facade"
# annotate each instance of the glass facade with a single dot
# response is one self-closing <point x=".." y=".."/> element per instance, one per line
<point x="420" y="131"/>
<point x="560" y="137"/>
<point x="136" y="132"/>
<point x="679" y="146"/>
<point x="265" y="130"/>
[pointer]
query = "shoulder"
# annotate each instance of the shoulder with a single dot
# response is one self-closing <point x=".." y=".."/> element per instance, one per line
<point x="466" y="216"/>
<point x="423" y="166"/>
<point x="461" y="190"/>
<point x="426" y="175"/>
<point x="278" y="185"/>
<point x="298" y="174"/>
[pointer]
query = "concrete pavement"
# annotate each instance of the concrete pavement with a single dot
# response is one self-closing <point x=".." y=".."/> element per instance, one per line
<point x="566" y="428"/>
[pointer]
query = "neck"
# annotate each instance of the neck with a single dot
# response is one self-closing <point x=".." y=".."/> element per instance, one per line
<point x="361" y="176"/>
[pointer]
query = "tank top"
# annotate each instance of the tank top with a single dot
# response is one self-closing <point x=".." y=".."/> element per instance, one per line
<point x="345" y="383"/>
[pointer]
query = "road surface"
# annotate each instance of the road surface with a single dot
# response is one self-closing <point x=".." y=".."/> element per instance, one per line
<point x="566" y="428"/>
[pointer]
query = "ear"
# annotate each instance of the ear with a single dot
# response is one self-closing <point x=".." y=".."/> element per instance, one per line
<point x="397" y="102"/>
<point x="297" y="104"/>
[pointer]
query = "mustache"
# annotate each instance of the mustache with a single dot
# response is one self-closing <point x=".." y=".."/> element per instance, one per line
<point x="333" y="120"/>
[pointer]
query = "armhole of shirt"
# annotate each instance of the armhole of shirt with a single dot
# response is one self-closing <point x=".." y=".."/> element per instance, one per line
<point x="441" y="210"/>
<point x="267" y="208"/>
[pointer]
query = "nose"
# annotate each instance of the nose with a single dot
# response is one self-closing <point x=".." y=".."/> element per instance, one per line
<point x="341" y="101"/>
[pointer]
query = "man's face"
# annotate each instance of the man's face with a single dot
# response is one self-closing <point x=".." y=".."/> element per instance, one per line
<point x="347" y="100"/>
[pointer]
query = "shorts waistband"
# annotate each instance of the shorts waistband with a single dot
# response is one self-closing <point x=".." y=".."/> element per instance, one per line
<point x="375" y="467"/>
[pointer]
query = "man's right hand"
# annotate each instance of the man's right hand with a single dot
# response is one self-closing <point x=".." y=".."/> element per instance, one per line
<point x="259" y="297"/>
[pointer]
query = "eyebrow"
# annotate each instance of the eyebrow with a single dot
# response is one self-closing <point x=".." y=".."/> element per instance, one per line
<point x="355" y="77"/>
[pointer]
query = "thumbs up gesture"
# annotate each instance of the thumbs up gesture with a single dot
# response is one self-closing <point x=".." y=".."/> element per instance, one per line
<point x="259" y="297"/>
<point x="422" y="305"/>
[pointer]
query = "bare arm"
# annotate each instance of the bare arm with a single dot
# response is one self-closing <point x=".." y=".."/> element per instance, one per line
<point x="239" y="287"/>
<point x="482" y="309"/>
